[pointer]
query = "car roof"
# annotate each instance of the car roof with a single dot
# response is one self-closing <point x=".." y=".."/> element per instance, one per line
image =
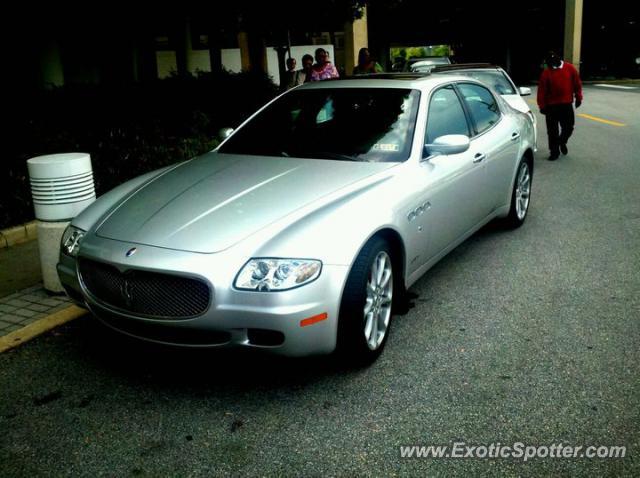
<point x="419" y="81"/>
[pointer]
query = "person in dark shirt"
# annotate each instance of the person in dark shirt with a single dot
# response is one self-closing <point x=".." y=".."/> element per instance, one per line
<point x="293" y="77"/>
<point x="366" y="64"/>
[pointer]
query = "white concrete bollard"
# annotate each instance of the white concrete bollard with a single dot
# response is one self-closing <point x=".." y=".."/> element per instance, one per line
<point x="49" y="237"/>
<point x="62" y="186"/>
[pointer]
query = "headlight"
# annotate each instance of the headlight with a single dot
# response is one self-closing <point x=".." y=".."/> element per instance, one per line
<point x="266" y="274"/>
<point x="71" y="239"/>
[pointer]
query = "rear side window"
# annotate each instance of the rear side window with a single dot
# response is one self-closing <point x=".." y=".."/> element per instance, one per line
<point x="481" y="104"/>
<point x="446" y="115"/>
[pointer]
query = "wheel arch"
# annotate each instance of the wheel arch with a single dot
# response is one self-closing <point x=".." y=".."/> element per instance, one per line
<point x="398" y="251"/>
<point x="398" y="255"/>
<point x="528" y="156"/>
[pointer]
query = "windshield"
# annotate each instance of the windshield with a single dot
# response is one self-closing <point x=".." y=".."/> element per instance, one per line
<point x="494" y="78"/>
<point x="353" y="124"/>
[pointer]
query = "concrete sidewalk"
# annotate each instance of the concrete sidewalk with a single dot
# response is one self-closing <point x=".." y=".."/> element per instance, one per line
<point x="24" y="302"/>
<point x="27" y="306"/>
<point x="19" y="267"/>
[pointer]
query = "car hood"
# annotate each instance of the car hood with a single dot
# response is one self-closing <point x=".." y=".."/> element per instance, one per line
<point x="214" y="201"/>
<point x="517" y="102"/>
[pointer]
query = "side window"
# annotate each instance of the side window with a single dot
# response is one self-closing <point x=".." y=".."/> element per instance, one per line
<point x="481" y="104"/>
<point x="446" y="115"/>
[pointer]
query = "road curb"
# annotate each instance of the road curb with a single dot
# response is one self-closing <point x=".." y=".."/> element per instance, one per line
<point x="39" y="327"/>
<point x="18" y="234"/>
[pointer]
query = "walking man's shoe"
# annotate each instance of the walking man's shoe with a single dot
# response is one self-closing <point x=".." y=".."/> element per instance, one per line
<point x="564" y="149"/>
<point x="553" y="156"/>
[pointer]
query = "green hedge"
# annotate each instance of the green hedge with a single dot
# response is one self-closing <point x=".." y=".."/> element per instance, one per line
<point x="128" y="130"/>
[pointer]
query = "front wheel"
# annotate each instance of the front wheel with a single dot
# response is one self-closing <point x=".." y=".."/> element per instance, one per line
<point x="520" y="196"/>
<point x="365" y="311"/>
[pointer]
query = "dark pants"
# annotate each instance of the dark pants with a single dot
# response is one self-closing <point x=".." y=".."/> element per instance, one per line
<point x="560" y="121"/>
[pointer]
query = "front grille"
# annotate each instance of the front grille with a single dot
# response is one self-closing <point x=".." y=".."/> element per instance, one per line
<point x="144" y="293"/>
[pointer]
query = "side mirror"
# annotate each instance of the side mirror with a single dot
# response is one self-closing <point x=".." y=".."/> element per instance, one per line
<point x="224" y="133"/>
<point x="448" y="144"/>
<point x="524" y="91"/>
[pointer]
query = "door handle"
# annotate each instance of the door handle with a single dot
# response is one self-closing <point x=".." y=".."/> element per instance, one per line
<point x="515" y="135"/>
<point x="479" y="157"/>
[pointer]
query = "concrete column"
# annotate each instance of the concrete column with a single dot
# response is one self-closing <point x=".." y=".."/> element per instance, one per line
<point x="184" y="54"/>
<point x="215" y="54"/>
<point x="356" y="36"/>
<point x="253" y="52"/>
<point x="243" y="44"/>
<point x="192" y="62"/>
<point x="51" y="66"/>
<point x="573" y="31"/>
<point x="49" y="237"/>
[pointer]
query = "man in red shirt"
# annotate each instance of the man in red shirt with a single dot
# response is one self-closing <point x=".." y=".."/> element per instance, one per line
<point x="559" y="84"/>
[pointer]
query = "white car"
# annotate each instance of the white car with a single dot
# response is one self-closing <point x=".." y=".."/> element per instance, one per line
<point x="425" y="64"/>
<point x="301" y="231"/>
<point x="499" y="80"/>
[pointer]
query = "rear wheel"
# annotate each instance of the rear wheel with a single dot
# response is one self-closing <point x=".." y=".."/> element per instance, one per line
<point x="365" y="311"/>
<point x="520" y="196"/>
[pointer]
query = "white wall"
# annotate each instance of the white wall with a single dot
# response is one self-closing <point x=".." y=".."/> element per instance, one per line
<point x="231" y="59"/>
<point x="198" y="60"/>
<point x="166" y="60"/>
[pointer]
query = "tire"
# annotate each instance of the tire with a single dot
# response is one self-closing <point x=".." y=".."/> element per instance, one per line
<point x="520" y="196"/>
<point x="358" y="341"/>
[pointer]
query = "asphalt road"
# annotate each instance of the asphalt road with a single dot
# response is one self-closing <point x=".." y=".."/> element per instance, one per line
<point x="529" y="336"/>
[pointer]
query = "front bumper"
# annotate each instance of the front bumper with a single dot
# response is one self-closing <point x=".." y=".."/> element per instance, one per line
<point x="262" y="320"/>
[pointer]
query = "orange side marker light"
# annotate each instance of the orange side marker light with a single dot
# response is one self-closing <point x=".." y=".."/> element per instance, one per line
<point x="313" y="320"/>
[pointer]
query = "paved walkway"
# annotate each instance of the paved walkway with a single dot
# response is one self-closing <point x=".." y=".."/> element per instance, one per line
<point x="23" y="299"/>
<point x="27" y="306"/>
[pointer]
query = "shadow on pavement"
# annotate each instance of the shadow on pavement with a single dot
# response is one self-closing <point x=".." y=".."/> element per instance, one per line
<point x="206" y="369"/>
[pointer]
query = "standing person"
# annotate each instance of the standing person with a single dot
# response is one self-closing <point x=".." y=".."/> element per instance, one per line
<point x="323" y="69"/>
<point x="292" y="77"/>
<point x="558" y="86"/>
<point x="366" y="64"/>
<point x="307" y="65"/>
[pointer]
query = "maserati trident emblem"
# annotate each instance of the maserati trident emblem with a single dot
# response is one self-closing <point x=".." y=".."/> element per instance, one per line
<point x="131" y="251"/>
<point x="126" y="292"/>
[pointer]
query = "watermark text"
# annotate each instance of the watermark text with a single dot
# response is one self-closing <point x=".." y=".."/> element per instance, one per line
<point x="517" y="451"/>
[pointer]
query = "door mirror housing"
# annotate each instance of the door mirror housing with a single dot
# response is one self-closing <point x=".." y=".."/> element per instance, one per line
<point x="524" y="91"/>
<point x="224" y="133"/>
<point x="448" y="144"/>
